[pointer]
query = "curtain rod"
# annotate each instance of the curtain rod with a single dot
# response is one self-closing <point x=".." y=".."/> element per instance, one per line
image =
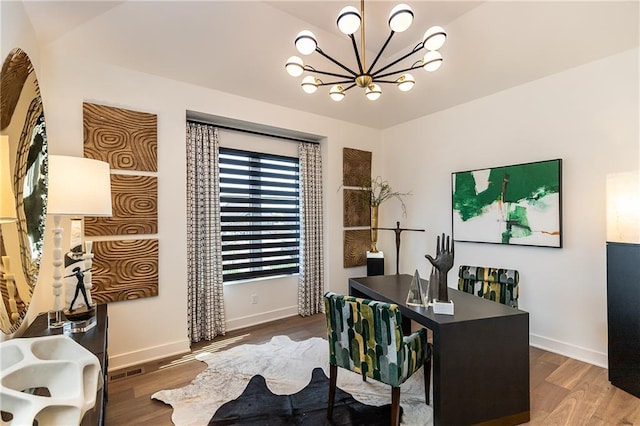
<point x="254" y="132"/>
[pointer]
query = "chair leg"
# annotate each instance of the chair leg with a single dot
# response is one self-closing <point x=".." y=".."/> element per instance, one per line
<point x="333" y="376"/>
<point x="395" y="406"/>
<point x="427" y="378"/>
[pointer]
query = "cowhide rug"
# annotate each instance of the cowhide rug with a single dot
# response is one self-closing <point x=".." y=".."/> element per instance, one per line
<point x="283" y="367"/>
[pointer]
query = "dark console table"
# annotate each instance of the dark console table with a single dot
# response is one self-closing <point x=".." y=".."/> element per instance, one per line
<point x="623" y="316"/>
<point x="480" y="354"/>
<point x="94" y="340"/>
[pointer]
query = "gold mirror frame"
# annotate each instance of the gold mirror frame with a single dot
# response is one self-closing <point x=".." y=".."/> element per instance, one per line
<point x="22" y="126"/>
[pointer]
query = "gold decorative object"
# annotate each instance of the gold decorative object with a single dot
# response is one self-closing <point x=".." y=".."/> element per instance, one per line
<point x="356" y="166"/>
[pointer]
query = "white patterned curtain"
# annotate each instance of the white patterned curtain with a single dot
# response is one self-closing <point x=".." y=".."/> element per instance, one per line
<point x="204" y="244"/>
<point x="311" y="280"/>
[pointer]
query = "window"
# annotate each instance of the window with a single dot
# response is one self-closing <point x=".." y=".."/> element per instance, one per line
<point x="260" y="215"/>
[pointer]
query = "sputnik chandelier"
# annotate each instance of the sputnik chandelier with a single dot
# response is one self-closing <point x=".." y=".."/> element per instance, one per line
<point x="368" y="78"/>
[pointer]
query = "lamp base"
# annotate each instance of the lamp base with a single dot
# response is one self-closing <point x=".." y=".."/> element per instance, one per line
<point x="56" y="319"/>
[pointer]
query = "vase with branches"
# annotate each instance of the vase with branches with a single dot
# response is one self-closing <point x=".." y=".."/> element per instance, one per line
<point x="376" y="191"/>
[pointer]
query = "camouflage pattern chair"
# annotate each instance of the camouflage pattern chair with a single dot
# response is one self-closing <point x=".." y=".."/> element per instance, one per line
<point x="500" y="285"/>
<point x="365" y="336"/>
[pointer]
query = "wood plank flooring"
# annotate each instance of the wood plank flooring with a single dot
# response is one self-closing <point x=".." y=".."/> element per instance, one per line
<point x="563" y="391"/>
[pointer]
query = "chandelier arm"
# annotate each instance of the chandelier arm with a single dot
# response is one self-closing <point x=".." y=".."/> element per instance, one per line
<point x="336" y="62"/>
<point x="311" y="69"/>
<point x="349" y="87"/>
<point x="413" y="67"/>
<point x="384" y="46"/>
<point x="334" y="82"/>
<point x="413" y="52"/>
<point x="355" y="49"/>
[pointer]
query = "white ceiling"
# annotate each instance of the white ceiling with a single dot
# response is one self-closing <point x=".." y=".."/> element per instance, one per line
<point x="240" y="47"/>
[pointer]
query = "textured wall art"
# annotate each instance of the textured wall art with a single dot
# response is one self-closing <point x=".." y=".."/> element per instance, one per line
<point x="124" y="270"/>
<point x="356" y="244"/>
<point x="127" y="140"/>
<point x="356" y="167"/>
<point x="135" y="208"/>
<point x="356" y="210"/>
<point x="516" y="205"/>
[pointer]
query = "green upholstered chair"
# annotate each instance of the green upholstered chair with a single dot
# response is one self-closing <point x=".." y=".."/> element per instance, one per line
<point x="500" y="285"/>
<point x="365" y="336"/>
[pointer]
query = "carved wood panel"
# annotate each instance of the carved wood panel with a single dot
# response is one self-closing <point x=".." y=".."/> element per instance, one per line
<point x="356" y="167"/>
<point x="135" y="208"/>
<point x="356" y="244"/>
<point x="124" y="270"/>
<point x="356" y="209"/>
<point x="127" y="140"/>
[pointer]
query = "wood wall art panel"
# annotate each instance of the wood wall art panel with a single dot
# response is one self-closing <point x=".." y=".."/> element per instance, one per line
<point x="135" y="208"/>
<point x="124" y="270"/>
<point x="356" y="244"/>
<point x="127" y="140"/>
<point x="356" y="208"/>
<point x="356" y="167"/>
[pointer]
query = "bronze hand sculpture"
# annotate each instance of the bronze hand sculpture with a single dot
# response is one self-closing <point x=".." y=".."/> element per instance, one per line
<point x="443" y="262"/>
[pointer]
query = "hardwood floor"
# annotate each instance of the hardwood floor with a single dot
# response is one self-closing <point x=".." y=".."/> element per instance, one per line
<point x="563" y="391"/>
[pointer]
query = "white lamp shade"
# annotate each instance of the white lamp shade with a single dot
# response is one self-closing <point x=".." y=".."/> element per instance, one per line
<point x="309" y="84"/>
<point x="623" y="207"/>
<point x="434" y="38"/>
<point x="349" y="20"/>
<point x="337" y="93"/>
<point x="294" y="66"/>
<point x="406" y="82"/>
<point x="306" y="42"/>
<point x="78" y="187"/>
<point x="432" y="61"/>
<point x="400" y="18"/>
<point x="373" y="92"/>
<point x="8" y="207"/>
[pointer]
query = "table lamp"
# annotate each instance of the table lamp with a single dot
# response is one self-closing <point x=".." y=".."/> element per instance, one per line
<point x="77" y="187"/>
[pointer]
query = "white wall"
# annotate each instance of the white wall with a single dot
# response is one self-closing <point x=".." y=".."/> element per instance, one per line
<point x="588" y="116"/>
<point x="144" y="329"/>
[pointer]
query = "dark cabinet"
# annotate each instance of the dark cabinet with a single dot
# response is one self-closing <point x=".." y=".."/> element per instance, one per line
<point x="623" y="315"/>
<point x="94" y="340"/>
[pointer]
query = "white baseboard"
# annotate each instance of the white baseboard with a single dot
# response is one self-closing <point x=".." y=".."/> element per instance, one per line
<point x="148" y="354"/>
<point x="250" y="320"/>
<point x="581" y="354"/>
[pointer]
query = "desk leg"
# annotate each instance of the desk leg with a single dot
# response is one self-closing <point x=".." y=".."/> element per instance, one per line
<point x="481" y="372"/>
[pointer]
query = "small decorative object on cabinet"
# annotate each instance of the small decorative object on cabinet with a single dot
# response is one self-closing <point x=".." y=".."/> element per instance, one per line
<point x="623" y="280"/>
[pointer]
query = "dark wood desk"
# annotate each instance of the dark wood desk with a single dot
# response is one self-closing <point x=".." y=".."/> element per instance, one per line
<point x="480" y="358"/>
<point x="94" y="340"/>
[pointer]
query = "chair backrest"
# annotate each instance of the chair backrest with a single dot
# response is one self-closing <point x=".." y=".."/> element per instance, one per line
<point x="500" y="285"/>
<point x="365" y="336"/>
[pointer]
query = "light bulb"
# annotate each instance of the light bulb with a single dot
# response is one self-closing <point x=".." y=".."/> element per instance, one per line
<point x="306" y="42"/>
<point x="294" y="66"/>
<point x="432" y="61"/>
<point x="373" y="92"/>
<point x="337" y="93"/>
<point x="434" y="38"/>
<point x="400" y="18"/>
<point x="309" y="84"/>
<point x="405" y="82"/>
<point x="349" y="20"/>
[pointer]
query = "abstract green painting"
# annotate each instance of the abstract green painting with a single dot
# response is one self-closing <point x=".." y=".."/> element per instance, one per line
<point x="516" y="205"/>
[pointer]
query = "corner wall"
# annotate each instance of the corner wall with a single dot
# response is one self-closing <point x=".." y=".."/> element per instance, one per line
<point x="589" y="117"/>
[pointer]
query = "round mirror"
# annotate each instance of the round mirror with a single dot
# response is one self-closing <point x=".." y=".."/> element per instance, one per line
<point x="23" y="187"/>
